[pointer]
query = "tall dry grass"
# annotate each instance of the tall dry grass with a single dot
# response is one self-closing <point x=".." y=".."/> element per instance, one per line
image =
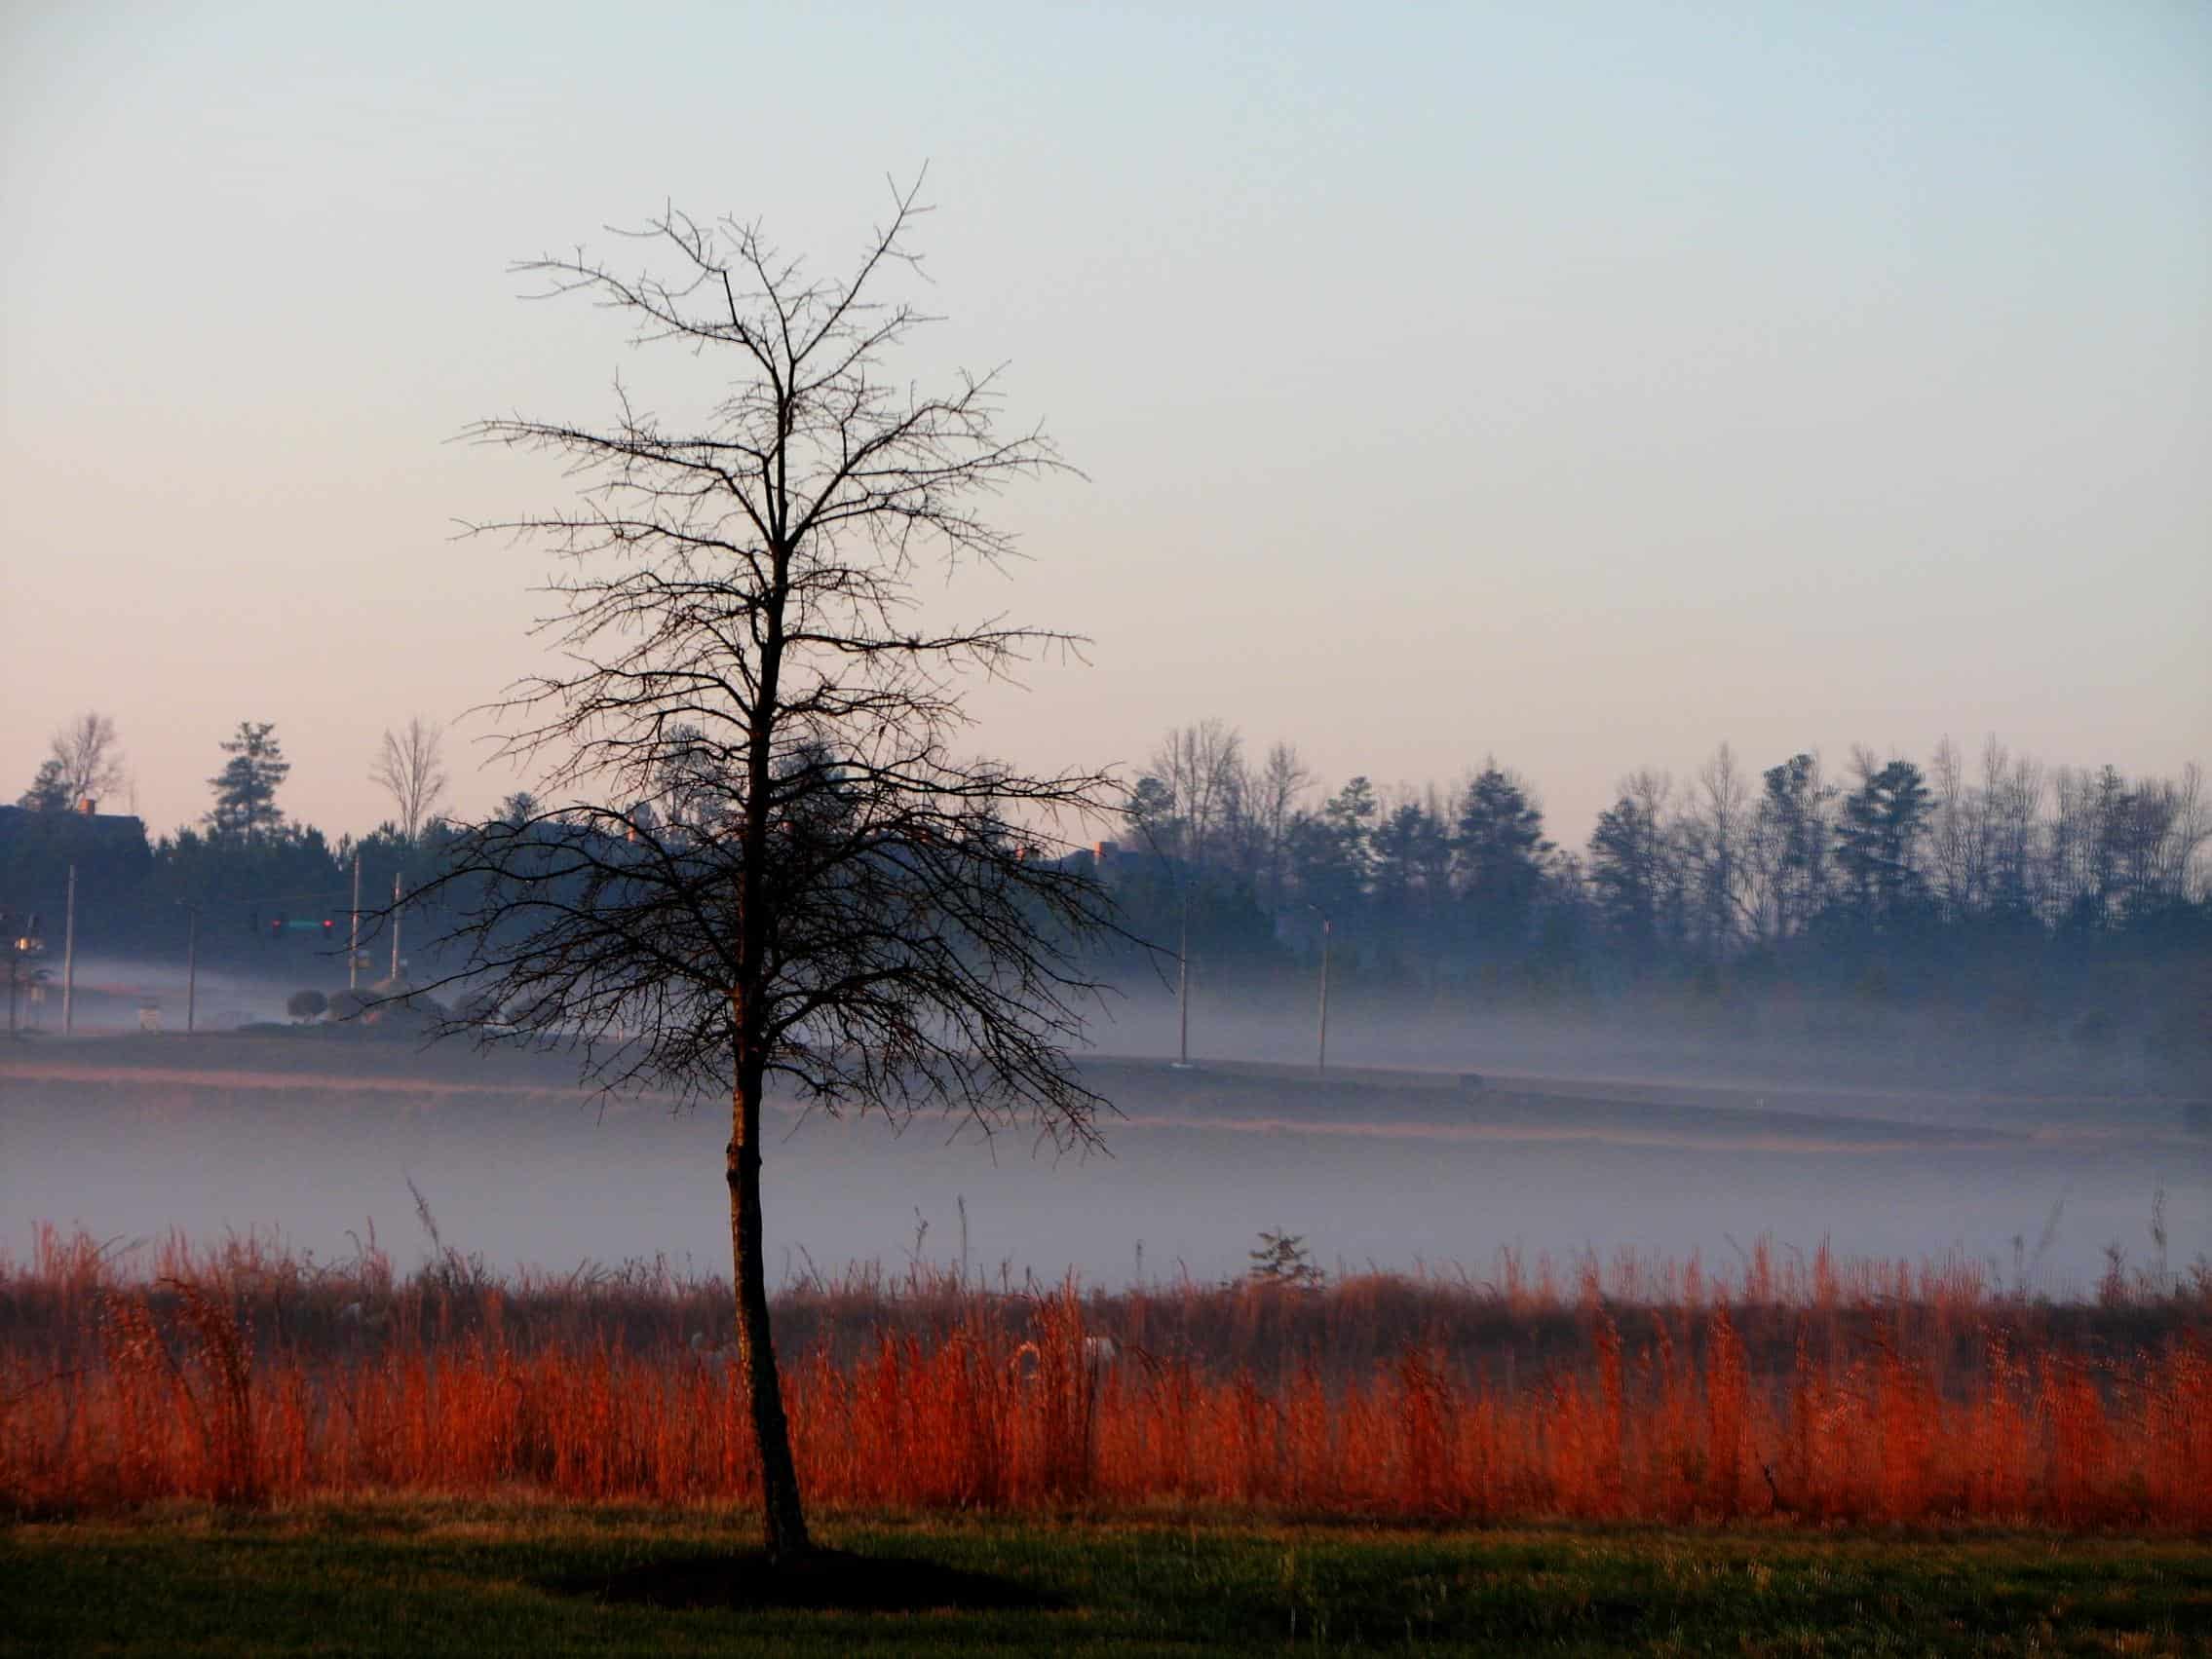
<point x="1801" y="1387"/>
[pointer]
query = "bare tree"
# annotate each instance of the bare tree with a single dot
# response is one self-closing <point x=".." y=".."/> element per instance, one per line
<point x="410" y="768"/>
<point x="88" y="761"/>
<point x="1202" y="767"/>
<point x="772" y="863"/>
<point x="2012" y="793"/>
<point x="1272" y="800"/>
<point x="1715" y="829"/>
<point x="2189" y="822"/>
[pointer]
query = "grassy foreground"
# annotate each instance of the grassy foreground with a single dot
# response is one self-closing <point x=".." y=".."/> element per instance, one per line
<point x="423" y="1577"/>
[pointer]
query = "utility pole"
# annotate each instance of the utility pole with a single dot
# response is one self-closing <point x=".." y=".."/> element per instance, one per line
<point x="192" y="967"/>
<point x="1183" y="990"/>
<point x="1321" y="1059"/>
<point x="69" y="957"/>
<point x="395" y="930"/>
<point x="353" y="932"/>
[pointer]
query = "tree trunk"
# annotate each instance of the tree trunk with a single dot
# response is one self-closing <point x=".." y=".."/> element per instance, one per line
<point x="785" y="1521"/>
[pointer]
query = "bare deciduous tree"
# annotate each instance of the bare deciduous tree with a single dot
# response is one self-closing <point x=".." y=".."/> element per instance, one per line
<point x="1272" y="800"/>
<point x="87" y="761"/>
<point x="1202" y="767"/>
<point x="1720" y="814"/>
<point x="2014" y="791"/>
<point x="770" y="862"/>
<point x="1957" y="840"/>
<point x="410" y="768"/>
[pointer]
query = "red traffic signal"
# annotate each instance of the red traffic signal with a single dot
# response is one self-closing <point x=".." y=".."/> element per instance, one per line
<point x="328" y="926"/>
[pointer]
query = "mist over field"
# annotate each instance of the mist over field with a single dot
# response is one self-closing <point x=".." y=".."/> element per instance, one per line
<point x="1986" y="1043"/>
<point x="1429" y="1142"/>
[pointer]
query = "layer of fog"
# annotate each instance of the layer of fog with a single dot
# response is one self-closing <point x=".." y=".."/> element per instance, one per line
<point x="526" y="1168"/>
<point x="1835" y="1049"/>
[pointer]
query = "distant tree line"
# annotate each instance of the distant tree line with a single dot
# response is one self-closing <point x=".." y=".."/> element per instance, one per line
<point x="2010" y="891"/>
<point x="1996" y="882"/>
<point x="261" y="880"/>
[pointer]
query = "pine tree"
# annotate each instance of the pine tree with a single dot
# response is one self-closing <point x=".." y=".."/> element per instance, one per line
<point x="48" y="792"/>
<point x="246" y="789"/>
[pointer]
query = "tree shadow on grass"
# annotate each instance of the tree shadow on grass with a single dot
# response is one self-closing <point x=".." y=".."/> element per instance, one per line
<point x="828" y="1581"/>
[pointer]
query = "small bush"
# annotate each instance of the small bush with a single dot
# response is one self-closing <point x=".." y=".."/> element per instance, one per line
<point x="1283" y="1259"/>
<point x="355" y="1008"/>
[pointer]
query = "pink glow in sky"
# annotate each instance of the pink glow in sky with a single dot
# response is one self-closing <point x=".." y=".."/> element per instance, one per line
<point x="1582" y="384"/>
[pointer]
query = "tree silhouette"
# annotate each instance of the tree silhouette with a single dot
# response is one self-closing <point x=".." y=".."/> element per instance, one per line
<point x="49" y="791"/>
<point x="1882" y="824"/>
<point x="410" y="768"/>
<point x="245" y="790"/>
<point x="1500" y="848"/>
<point x="769" y="860"/>
<point x="90" y="761"/>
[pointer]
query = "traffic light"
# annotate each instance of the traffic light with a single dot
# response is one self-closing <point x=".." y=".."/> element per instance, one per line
<point x="330" y="928"/>
<point x="277" y="927"/>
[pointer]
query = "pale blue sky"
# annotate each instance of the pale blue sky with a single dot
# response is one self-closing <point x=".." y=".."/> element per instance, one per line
<point x="1585" y="385"/>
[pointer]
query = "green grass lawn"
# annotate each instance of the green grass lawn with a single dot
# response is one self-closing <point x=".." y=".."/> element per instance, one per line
<point x="455" y="1578"/>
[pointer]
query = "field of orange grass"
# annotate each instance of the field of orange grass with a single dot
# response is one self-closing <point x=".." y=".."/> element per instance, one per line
<point x="1799" y="1389"/>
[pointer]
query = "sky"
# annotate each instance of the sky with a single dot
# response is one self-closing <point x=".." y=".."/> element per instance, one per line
<point x="1580" y="385"/>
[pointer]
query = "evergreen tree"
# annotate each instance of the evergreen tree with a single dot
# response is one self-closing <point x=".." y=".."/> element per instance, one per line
<point x="1500" y="850"/>
<point x="1351" y="812"/>
<point x="1883" y="822"/>
<point x="48" y="793"/>
<point x="1411" y="875"/>
<point x="1628" y="870"/>
<point x="1328" y="852"/>
<point x="246" y="789"/>
<point x="1793" y="836"/>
